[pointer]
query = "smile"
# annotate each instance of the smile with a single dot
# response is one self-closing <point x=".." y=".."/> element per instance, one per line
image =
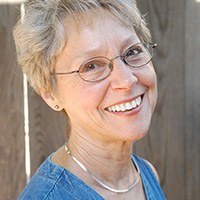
<point x="126" y="106"/>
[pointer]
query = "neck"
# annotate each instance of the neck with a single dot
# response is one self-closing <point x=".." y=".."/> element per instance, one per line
<point x="109" y="161"/>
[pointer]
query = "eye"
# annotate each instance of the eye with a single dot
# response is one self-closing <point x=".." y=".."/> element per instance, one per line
<point x="93" y="66"/>
<point x="133" y="51"/>
<point x="89" y="67"/>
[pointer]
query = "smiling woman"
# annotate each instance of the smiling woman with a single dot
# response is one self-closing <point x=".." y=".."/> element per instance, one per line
<point x="92" y="60"/>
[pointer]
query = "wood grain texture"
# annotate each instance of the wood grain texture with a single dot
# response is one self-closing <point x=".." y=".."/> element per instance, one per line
<point x="192" y="98"/>
<point x="47" y="130"/>
<point x="173" y="141"/>
<point x="12" y="167"/>
<point x="165" y="144"/>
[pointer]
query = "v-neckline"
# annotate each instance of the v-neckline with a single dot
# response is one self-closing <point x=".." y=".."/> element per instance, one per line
<point x="89" y="188"/>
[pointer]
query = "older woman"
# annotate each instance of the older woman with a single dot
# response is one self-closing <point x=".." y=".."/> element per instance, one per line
<point x="92" y="60"/>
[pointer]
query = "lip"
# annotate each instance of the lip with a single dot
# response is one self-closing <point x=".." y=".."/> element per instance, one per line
<point x="125" y="101"/>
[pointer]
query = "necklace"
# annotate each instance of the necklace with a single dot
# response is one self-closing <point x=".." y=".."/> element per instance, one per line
<point x="98" y="180"/>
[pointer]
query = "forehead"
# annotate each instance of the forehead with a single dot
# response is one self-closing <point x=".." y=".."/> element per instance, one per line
<point x="95" y="34"/>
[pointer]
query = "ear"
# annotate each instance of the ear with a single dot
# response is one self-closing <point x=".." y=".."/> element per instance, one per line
<point x="51" y="101"/>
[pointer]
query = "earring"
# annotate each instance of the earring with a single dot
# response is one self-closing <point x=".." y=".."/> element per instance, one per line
<point x="57" y="107"/>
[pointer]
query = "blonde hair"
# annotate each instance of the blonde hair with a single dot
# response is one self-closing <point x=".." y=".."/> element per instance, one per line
<point x="41" y="36"/>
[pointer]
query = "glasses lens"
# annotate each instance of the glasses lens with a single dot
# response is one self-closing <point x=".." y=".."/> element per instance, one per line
<point x="138" y="55"/>
<point x="95" y="69"/>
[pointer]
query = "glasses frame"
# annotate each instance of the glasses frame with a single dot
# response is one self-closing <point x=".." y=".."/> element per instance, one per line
<point x="122" y="57"/>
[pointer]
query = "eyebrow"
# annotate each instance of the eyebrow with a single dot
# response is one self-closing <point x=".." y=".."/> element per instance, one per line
<point x="129" y="41"/>
<point x="88" y="54"/>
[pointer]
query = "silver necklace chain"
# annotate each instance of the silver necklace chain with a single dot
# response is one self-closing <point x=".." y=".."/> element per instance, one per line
<point x="98" y="180"/>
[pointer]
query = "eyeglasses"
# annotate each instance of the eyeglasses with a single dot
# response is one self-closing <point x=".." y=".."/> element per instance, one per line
<point x="99" y="68"/>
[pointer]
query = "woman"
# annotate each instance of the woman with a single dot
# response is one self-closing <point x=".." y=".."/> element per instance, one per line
<point x="92" y="60"/>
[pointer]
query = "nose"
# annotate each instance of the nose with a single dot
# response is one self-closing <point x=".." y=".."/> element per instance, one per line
<point x="122" y="77"/>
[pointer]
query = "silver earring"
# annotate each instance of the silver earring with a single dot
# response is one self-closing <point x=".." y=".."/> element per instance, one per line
<point x="57" y="107"/>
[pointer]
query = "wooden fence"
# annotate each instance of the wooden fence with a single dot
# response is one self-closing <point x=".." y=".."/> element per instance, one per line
<point x="173" y="141"/>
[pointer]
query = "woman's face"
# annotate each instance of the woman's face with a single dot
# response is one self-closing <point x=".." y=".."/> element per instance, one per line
<point x="90" y="105"/>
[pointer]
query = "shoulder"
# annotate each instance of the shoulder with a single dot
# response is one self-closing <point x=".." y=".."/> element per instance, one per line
<point x="46" y="184"/>
<point x="52" y="182"/>
<point x="149" y="178"/>
<point x="154" y="170"/>
<point x="144" y="163"/>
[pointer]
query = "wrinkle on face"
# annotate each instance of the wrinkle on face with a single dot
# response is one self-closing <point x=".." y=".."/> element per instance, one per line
<point x="85" y="102"/>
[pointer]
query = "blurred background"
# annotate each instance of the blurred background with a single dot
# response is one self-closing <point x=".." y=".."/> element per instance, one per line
<point x="173" y="142"/>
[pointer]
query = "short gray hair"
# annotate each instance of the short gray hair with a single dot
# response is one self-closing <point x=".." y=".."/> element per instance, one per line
<point x="41" y="37"/>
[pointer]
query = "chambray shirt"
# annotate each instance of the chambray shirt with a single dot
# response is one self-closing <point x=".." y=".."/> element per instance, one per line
<point x="52" y="182"/>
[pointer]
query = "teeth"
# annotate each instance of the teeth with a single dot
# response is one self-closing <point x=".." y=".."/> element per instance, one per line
<point x="134" y="104"/>
<point x="122" y="107"/>
<point x="126" y="106"/>
<point x="117" y="108"/>
<point x="138" y="100"/>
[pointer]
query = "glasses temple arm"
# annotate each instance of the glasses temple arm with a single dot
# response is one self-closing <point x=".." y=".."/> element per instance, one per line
<point x="63" y="73"/>
<point x="153" y="45"/>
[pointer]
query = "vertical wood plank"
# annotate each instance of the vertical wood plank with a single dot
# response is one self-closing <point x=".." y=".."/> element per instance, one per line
<point x="12" y="166"/>
<point x="192" y="96"/>
<point x="172" y="144"/>
<point x="47" y="130"/>
<point x="165" y="144"/>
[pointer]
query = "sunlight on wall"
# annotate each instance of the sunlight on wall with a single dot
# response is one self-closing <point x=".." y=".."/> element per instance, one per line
<point x="26" y="118"/>
<point x="11" y="1"/>
<point x="197" y="1"/>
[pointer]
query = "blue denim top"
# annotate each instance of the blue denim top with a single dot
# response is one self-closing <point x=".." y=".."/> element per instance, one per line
<point x="53" y="182"/>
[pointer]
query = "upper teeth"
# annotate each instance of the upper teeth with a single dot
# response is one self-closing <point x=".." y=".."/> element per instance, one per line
<point x="126" y="106"/>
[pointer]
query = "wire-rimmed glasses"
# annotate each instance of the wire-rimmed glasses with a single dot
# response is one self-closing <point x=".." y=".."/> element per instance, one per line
<point x="98" y="68"/>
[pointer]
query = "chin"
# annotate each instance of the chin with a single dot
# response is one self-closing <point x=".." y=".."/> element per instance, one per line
<point x="137" y="136"/>
<point x="140" y="130"/>
<point x="133" y="135"/>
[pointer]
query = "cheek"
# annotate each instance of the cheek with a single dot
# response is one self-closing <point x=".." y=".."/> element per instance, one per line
<point x="152" y="81"/>
<point x="82" y="95"/>
<point x="148" y="78"/>
<point x="93" y="93"/>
